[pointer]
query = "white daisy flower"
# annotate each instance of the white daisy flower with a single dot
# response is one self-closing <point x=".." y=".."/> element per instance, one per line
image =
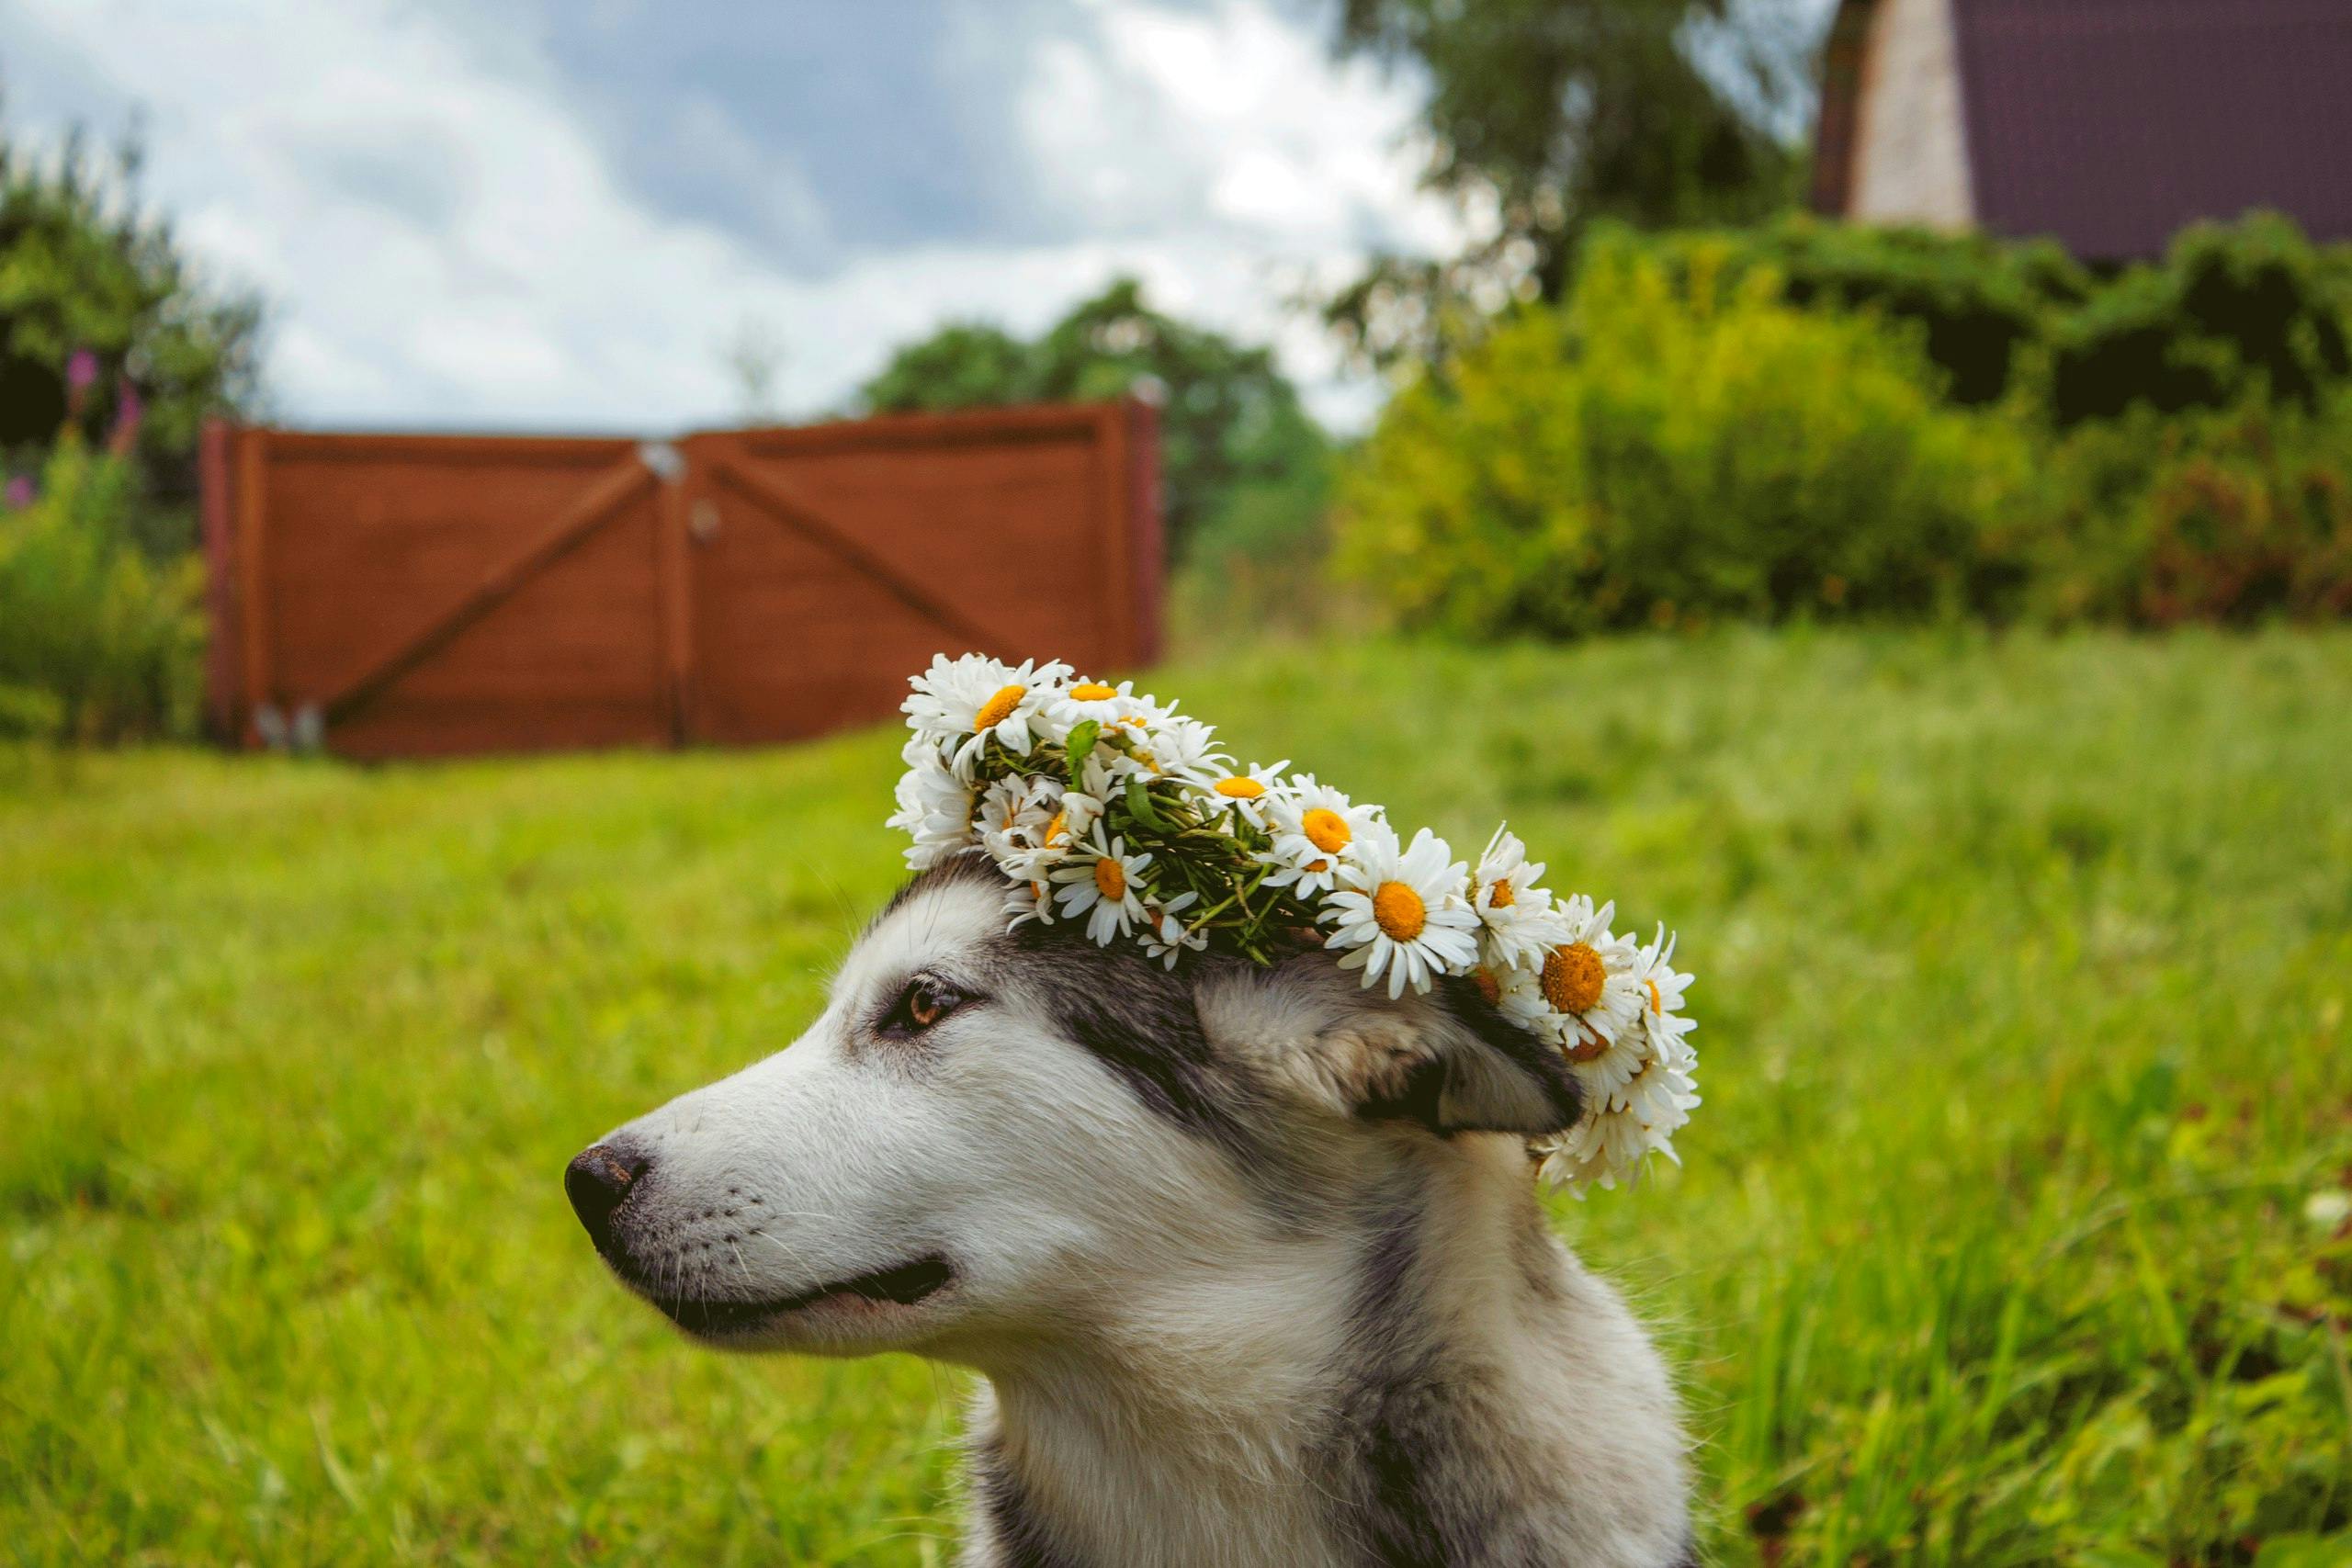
<point x="1513" y="912"/>
<point x="1403" y="914"/>
<point x="1106" y="705"/>
<point x="1315" y="830"/>
<point x="1105" y="883"/>
<point x="1167" y="938"/>
<point x="976" y="699"/>
<point x="1608" y="1068"/>
<point x="1665" y="1091"/>
<point x="1251" y="794"/>
<point x="935" y="808"/>
<point x="1014" y="812"/>
<point x="1661" y="1095"/>
<point x="1641" y="1087"/>
<point x="1032" y="899"/>
<point x="1084" y="802"/>
<point x="1659" y="989"/>
<point x="1600" y="1148"/>
<point x="1582" y="992"/>
<point x="1181" y="748"/>
<point x="1138" y="718"/>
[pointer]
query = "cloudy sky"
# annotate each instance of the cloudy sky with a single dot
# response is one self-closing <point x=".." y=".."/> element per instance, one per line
<point x="536" y="213"/>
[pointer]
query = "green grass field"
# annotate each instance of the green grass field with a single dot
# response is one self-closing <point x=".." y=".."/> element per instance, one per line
<point x="2014" y="1229"/>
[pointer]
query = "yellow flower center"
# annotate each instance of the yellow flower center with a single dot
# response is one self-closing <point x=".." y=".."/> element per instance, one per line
<point x="1502" y="898"/>
<point x="1239" y="788"/>
<point x="1658" y="1004"/>
<point x="1093" y="691"/>
<point x="1325" y="829"/>
<point x="998" y="708"/>
<point x="1057" y="828"/>
<point x="1399" y="911"/>
<point x="1573" y="978"/>
<point x="1318" y="866"/>
<point x="1489" y="987"/>
<point x="1111" y="878"/>
<point x="1587" y="1046"/>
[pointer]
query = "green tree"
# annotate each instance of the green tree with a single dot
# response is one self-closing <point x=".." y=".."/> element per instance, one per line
<point x="963" y="365"/>
<point x="1552" y="114"/>
<point x="1242" y="462"/>
<point x="105" y="327"/>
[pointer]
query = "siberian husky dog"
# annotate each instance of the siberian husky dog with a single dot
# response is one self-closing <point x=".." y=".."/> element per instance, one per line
<point x="1249" y="1257"/>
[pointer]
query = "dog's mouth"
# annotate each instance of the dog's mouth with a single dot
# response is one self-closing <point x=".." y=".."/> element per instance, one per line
<point x="905" y="1285"/>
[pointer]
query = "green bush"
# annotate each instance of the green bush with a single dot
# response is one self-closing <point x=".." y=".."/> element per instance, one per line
<point x="1983" y="305"/>
<point x="1677" y="442"/>
<point x="96" y="641"/>
<point x="2231" y="516"/>
<point x="2230" y="311"/>
<point x="93" y="280"/>
<point x="2235" y="311"/>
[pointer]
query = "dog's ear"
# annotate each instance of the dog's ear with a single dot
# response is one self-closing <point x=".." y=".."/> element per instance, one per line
<point x="1451" y="1062"/>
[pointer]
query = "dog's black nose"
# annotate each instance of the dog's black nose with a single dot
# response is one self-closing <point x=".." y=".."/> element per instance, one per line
<point x="599" y="1180"/>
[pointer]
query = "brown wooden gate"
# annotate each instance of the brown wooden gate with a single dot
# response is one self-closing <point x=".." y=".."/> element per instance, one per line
<point x="404" y="595"/>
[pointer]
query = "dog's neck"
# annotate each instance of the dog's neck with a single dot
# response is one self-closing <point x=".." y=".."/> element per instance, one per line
<point x="1180" y="1435"/>
<point x="1329" y="1392"/>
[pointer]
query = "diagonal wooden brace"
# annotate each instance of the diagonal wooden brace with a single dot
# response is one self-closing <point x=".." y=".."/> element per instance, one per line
<point x="787" y="509"/>
<point x="611" y="491"/>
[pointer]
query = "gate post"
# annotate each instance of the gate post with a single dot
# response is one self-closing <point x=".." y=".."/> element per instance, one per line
<point x="675" y="463"/>
<point x="1147" y="549"/>
<point x="224" y="697"/>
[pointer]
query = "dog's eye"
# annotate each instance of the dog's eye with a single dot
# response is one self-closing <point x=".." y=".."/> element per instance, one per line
<point x="922" y="1004"/>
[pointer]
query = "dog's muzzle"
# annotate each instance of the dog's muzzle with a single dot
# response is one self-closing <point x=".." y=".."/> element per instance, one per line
<point x="599" y="1180"/>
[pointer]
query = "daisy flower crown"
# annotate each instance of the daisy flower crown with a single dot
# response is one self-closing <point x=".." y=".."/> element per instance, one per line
<point x="1114" y="812"/>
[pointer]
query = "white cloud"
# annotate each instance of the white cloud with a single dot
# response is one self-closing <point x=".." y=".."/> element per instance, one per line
<point x="1242" y="106"/>
<point x="1253" y="168"/>
<point x="444" y="245"/>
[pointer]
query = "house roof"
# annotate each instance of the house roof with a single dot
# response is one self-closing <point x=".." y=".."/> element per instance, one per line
<point x="2110" y="124"/>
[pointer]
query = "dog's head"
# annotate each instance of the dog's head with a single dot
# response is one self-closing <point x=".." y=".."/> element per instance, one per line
<point x="987" y="1130"/>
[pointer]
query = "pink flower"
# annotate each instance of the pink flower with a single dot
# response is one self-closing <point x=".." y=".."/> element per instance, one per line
<point x="20" y="492"/>
<point x="80" y="374"/>
<point x="127" y="413"/>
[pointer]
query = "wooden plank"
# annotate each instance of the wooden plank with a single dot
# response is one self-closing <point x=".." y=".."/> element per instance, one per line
<point x="252" y="602"/>
<point x="672" y="570"/>
<point x="986" y="427"/>
<point x="1143" y="526"/>
<point x="572" y="658"/>
<point x="601" y="501"/>
<point x="329" y="446"/>
<point x="362" y="553"/>
<point x="1109" y="520"/>
<point x="223" y="702"/>
<point x="787" y="509"/>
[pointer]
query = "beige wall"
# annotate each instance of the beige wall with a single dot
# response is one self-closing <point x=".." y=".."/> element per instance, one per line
<point x="1910" y="156"/>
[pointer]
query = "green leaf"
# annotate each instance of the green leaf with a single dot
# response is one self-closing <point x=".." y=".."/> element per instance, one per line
<point x="1080" y="743"/>
<point x="2303" y="1550"/>
<point x="1140" y="806"/>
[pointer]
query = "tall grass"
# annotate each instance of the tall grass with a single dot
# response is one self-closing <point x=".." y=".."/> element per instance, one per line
<point x="2013" y="1231"/>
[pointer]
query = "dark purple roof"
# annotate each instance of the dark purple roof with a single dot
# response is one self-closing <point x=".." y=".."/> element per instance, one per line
<point x="2112" y="123"/>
